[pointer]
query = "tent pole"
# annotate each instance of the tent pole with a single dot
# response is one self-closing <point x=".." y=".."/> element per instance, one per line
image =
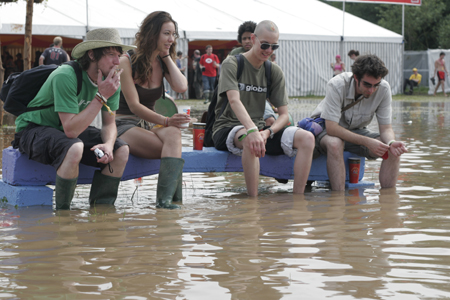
<point x="87" y="16"/>
<point x="403" y="48"/>
<point x="341" y="50"/>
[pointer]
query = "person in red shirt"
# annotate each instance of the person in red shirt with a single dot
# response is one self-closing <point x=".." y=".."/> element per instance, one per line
<point x="209" y="63"/>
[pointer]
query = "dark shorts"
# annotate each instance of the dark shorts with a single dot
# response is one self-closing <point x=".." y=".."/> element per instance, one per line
<point x="273" y="146"/>
<point x="49" y="145"/>
<point x="350" y="147"/>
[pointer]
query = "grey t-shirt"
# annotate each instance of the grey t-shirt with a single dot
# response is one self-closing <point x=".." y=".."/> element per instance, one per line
<point x="341" y="92"/>
<point x="252" y="88"/>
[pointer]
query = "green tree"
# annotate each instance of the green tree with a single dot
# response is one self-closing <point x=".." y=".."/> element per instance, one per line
<point x="426" y="26"/>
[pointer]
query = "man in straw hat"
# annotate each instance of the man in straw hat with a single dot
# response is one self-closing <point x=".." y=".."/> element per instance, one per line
<point x="59" y="134"/>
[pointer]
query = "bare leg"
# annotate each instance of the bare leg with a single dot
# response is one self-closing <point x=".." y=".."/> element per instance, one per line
<point x="70" y="165"/>
<point x="437" y="86"/>
<point x="443" y="88"/>
<point x="304" y="143"/>
<point x="160" y="142"/>
<point x="389" y="171"/>
<point x="119" y="162"/>
<point x="335" y="161"/>
<point x="250" y="164"/>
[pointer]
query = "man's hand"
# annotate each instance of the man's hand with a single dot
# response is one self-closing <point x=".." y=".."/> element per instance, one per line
<point x="256" y="143"/>
<point x="108" y="153"/>
<point x="398" y="148"/>
<point x="109" y="86"/>
<point x="377" y="147"/>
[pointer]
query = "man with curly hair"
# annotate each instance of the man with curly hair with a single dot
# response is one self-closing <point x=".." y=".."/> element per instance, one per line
<point x="352" y="100"/>
<point x="244" y="37"/>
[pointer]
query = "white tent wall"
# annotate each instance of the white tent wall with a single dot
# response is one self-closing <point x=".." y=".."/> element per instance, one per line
<point x="308" y="70"/>
<point x="433" y="55"/>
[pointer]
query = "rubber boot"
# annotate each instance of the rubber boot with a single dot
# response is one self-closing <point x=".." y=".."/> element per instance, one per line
<point x="64" y="190"/>
<point x="168" y="181"/>
<point x="104" y="189"/>
<point x="178" y="196"/>
<point x="206" y="95"/>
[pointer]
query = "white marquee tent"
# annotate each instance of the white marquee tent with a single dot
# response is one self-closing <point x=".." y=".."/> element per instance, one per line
<point x="310" y="31"/>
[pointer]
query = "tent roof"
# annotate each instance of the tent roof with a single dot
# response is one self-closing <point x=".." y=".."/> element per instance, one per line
<point x="197" y="19"/>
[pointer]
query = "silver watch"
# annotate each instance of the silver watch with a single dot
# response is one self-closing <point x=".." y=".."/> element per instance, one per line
<point x="271" y="132"/>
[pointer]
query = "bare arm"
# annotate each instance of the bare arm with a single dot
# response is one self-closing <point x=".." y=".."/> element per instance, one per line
<point x="132" y="98"/>
<point x="386" y="135"/>
<point x="375" y="146"/>
<point x="109" y="135"/>
<point x="176" y="79"/>
<point x="255" y="140"/>
<point x="75" y="124"/>
<point x="41" y="60"/>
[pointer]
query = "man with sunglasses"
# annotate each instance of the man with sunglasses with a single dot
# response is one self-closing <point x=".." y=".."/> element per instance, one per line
<point x="241" y="130"/>
<point x="352" y="100"/>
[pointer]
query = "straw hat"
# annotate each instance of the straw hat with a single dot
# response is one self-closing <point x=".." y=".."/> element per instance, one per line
<point x="414" y="69"/>
<point x="99" y="38"/>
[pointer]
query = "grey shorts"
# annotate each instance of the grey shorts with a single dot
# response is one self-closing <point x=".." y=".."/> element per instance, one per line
<point x="49" y="145"/>
<point x="350" y="147"/>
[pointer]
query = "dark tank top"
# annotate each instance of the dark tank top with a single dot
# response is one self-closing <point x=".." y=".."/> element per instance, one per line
<point x="147" y="97"/>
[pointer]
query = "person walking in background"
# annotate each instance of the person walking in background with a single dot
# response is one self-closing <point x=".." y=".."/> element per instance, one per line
<point x="182" y="69"/>
<point x="440" y="70"/>
<point x="197" y="81"/>
<point x="142" y="84"/>
<point x="353" y="54"/>
<point x="338" y="67"/>
<point x="209" y="63"/>
<point x="414" y="80"/>
<point x="54" y="55"/>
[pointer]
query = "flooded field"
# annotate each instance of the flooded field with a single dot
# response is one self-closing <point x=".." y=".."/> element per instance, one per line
<point x="358" y="244"/>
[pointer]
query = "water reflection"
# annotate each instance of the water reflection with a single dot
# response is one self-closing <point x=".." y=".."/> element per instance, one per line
<point x="358" y="244"/>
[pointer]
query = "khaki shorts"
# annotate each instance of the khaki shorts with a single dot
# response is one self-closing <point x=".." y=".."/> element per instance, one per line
<point x="350" y="147"/>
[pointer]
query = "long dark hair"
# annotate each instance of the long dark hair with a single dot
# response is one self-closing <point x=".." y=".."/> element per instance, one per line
<point x="147" y="42"/>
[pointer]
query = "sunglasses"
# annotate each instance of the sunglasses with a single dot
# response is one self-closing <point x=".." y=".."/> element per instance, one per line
<point x="368" y="85"/>
<point x="265" y="46"/>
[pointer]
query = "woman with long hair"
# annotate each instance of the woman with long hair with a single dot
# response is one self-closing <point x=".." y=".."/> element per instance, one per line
<point x="149" y="134"/>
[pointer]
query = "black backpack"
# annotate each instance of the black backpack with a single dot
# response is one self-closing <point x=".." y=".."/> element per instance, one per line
<point x="211" y="114"/>
<point x="21" y="87"/>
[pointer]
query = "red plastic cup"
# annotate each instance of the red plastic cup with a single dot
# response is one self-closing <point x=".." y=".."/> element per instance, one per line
<point x="353" y="166"/>
<point x="199" y="135"/>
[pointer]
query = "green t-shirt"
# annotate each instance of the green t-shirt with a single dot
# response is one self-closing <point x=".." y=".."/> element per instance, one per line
<point x="60" y="90"/>
<point x="237" y="51"/>
<point x="252" y="89"/>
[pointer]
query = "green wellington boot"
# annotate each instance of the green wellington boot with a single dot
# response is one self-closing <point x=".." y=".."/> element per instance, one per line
<point x="104" y="189"/>
<point x="64" y="190"/>
<point x="178" y="196"/>
<point x="169" y="174"/>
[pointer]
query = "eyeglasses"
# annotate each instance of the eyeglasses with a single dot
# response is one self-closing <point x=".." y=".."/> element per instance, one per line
<point x="265" y="46"/>
<point x="368" y="85"/>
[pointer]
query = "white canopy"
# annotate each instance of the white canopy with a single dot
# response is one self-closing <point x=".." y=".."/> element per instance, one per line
<point x="309" y="20"/>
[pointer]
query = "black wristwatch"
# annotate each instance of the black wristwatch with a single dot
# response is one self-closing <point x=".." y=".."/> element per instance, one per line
<point x="271" y="133"/>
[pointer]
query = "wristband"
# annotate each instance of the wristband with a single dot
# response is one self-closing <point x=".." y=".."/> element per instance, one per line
<point x="165" y="56"/>
<point x="390" y="142"/>
<point x="166" y="122"/>
<point x="253" y="129"/>
<point x="103" y="99"/>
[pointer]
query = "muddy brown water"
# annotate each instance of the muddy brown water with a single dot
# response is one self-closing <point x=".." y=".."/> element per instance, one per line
<point x="361" y="244"/>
